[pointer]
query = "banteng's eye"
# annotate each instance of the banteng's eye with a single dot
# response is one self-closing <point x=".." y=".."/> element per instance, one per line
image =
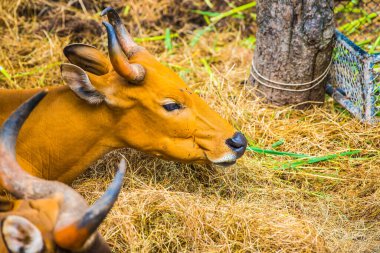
<point x="172" y="106"/>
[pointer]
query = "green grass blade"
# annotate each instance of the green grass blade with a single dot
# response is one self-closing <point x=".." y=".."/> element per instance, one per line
<point x="207" y="13"/>
<point x="249" y="42"/>
<point x="318" y="159"/>
<point x="233" y="11"/>
<point x="278" y="143"/>
<point x="126" y="10"/>
<point x="168" y="40"/>
<point x="199" y="34"/>
<point x="374" y="45"/>
<point x="355" y="24"/>
<point x="274" y="152"/>
<point x="156" y="38"/>
<point x="37" y="70"/>
<point x="363" y="42"/>
<point x="207" y="67"/>
<point x="216" y="18"/>
<point x="5" y="73"/>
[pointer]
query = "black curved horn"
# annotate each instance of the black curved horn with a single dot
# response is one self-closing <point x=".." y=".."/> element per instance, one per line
<point x="125" y="39"/>
<point x="132" y="72"/>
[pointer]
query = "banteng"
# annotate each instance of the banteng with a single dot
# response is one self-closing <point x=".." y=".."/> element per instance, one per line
<point x="126" y="100"/>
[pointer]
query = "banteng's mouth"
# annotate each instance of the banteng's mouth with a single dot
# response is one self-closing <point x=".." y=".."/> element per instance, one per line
<point x="226" y="160"/>
<point x="225" y="164"/>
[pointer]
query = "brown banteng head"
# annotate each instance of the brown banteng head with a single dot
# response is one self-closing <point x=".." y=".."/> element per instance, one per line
<point x="157" y="112"/>
<point x="48" y="216"/>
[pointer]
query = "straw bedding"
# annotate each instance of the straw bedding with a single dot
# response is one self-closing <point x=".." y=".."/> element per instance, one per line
<point x="331" y="206"/>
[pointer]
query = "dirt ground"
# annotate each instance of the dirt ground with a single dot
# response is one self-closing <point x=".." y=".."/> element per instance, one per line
<point x="331" y="206"/>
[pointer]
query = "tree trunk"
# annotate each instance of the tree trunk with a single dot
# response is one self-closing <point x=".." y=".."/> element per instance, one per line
<point x="294" y="44"/>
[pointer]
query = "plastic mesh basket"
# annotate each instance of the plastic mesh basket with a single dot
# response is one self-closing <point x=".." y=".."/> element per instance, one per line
<point x="355" y="80"/>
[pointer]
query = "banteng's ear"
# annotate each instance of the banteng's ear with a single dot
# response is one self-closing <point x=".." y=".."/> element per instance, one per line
<point x="88" y="58"/>
<point x="77" y="79"/>
<point x="21" y="236"/>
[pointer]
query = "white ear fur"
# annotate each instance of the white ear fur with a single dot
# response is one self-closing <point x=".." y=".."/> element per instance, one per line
<point x="21" y="236"/>
<point x="77" y="79"/>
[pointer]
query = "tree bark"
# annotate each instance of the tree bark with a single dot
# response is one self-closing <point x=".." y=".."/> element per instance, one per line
<point x="294" y="44"/>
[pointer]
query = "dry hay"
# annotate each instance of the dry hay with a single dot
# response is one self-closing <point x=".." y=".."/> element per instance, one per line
<point x="250" y="207"/>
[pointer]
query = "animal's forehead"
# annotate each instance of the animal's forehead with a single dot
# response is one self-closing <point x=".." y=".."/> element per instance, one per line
<point x="42" y="213"/>
<point x="186" y="90"/>
<point x="178" y="94"/>
<point x="143" y="57"/>
<point x="155" y="69"/>
<point x="160" y="81"/>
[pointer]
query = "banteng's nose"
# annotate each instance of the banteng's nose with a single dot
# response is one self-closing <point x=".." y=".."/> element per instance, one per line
<point x="237" y="143"/>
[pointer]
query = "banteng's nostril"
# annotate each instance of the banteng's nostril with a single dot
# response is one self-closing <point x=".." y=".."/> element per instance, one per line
<point x="237" y="143"/>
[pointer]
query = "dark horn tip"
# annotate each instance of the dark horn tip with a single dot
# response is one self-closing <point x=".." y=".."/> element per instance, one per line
<point x="106" y="10"/>
<point x="119" y="177"/>
<point x="70" y="237"/>
<point x="122" y="168"/>
<point x="112" y="15"/>
<point x="99" y="210"/>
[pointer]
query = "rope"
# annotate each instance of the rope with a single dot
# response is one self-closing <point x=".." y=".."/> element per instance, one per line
<point x="255" y="74"/>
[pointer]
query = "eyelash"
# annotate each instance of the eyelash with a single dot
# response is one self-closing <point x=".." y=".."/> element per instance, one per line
<point x="172" y="106"/>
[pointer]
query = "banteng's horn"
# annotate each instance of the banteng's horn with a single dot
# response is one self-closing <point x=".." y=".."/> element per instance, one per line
<point x="12" y="177"/>
<point x="75" y="235"/>
<point x="120" y="47"/>
<point x="76" y="222"/>
<point x="125" y="39"/>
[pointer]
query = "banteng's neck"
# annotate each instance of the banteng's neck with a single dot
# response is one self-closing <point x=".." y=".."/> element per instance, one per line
<point x="63" y="135"/>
